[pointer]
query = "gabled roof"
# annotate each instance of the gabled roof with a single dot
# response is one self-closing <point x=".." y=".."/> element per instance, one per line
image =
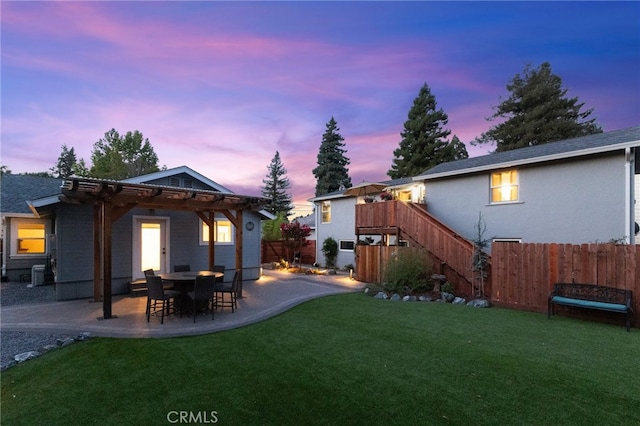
<point x="176" y="171"/>
<point x="17" y="190"/>
<point x="565" y="149"/>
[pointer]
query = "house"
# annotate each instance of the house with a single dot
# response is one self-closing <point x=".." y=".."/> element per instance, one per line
<point x="23" y="233"/>
<point x="155" y="221"/>
<point x="335" y="215"/>
<point x="578" y="190"/>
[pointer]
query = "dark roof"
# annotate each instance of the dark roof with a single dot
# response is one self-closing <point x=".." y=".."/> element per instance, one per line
<point x="600" y="142"/>
<point x="18" y="189"/>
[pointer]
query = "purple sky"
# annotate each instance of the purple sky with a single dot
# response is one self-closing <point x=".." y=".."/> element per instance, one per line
<point x="220" y="87"/>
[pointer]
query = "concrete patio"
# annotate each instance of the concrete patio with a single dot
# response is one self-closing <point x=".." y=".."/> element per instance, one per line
<point x="273" y="293"/>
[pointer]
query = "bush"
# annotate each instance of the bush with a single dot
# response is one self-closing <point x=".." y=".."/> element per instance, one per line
<point x="408" y="271"/>
<point x="330" y="251"/>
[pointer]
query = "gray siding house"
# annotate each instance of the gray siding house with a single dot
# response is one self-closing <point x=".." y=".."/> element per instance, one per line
<point x="142" y="238"/>
<point x="579" y="190"/>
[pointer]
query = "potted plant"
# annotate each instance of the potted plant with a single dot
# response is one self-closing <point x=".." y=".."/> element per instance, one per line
<point x="386" y="195"/>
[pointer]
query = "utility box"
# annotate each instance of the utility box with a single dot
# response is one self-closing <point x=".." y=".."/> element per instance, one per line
<point x="37" y="275"/>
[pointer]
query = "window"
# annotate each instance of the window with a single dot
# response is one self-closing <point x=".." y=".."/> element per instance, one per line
<point x="223" y="232"/>
<point x="30" y="237"/>
<point x="347" y="245"/>
<point x="504" y="186"/>
<point x="326" y="211"/>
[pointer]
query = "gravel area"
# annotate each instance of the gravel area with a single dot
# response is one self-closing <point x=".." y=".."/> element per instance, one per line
<point x="16" y="342"/>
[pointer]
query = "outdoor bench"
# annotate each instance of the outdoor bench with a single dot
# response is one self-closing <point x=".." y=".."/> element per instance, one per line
<point x="591" y="296"/>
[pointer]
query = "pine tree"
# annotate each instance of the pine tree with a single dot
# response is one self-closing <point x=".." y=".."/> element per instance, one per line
<point x="275" y="188"/>
<point x="537" y="112"/>
<point x="423" y="143"/>
<point x="67" y="163"/>
<point x="332" y="172"/>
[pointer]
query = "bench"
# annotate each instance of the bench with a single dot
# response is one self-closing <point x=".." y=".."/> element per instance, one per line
<point x="591" y="296"/>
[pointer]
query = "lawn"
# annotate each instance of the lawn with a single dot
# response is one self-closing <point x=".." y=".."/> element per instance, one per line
<point x="347" y="359"/>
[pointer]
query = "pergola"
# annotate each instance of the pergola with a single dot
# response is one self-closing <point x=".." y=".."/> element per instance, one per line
<point x="113" y="199"/>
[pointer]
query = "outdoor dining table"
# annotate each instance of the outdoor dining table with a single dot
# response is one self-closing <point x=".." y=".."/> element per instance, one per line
<point x="184" y="283"/>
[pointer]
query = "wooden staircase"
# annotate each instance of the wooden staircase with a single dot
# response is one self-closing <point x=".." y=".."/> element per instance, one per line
<point x="450" y="252"/>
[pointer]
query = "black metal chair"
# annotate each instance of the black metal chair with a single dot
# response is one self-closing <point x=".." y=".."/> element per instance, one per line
<point x="219" y="268"/>
<point x="203" y="295"/>
<point x="181" y="268"/>
<point x="157" y="295"/>
<point x="231" y="290"/>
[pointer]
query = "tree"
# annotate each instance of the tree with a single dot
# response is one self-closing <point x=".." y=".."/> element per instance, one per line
<point x="294" y="237"/>
<point x="66" y="164"/>
<point x="275" y="186"/>
<point x="455" y="150"/>
<point x="330" y="251"/>
<point x="121" y="157"/>
<point x="537" y="112"/>
<point x="424" y="143"/>
<point x="332" y="173"/>
<point x="4" y="170"/>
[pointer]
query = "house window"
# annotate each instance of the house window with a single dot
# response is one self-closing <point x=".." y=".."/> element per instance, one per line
<point x="222" y="231"/>
<point x="504" y="186"/>
<point x="326" y="211"/>
<point x="347" y="245"/>
<point x="30" y="237"/>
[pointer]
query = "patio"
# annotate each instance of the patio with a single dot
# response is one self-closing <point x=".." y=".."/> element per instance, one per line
<point x="273" y="293"/>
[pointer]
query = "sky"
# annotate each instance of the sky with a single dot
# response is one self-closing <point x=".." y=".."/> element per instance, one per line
<point x="221" y="86"/>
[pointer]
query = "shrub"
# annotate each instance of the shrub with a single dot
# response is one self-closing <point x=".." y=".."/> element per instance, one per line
<point x="330" y="251"/>
<point x="408" y="271"/>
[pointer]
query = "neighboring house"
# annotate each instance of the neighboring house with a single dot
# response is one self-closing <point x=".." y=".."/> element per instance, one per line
<point x="142" y="238"/>
<point x="23" y="233"/>
<point x="335" y="216"/>
<point x="578" y="190"/>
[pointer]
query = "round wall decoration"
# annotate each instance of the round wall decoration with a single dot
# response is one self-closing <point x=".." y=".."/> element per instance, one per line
<point x="250" y="226"/>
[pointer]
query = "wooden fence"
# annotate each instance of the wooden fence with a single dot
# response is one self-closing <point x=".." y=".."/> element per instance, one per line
<point x="274" y="251"/>
<point x="523" y="274"/>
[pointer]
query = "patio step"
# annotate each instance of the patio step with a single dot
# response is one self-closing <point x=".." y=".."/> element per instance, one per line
<point x="138" y="288"/>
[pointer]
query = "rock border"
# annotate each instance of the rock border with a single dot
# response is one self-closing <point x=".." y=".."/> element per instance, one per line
<point x="60" y="343"/>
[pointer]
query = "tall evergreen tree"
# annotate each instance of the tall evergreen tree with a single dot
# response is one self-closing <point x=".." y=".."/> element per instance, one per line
<point x="66" y="164"/>
<point x="423" y="143"/>
<point x="332" y="172"/>
<point x="120" y="157"/>
<point x="275" y="188"/>
<point x="537" y="111"/>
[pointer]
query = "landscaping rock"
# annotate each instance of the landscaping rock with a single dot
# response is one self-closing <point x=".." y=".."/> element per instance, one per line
<point x="425" y="299"/>
<point x="447" y="297"/>
<point x="479" y="303"/>
<point x="24" y="356"/>
<point x="367" y="290"/>
<point x="396" y="297"/>
<point x="85" y="335"/>
<point x="65" y="341"/>
<point x="459" y="301"/>
<point x="381" y="295"/>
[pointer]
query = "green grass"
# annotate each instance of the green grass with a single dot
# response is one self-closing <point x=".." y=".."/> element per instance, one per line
<point x="347" y="359"/>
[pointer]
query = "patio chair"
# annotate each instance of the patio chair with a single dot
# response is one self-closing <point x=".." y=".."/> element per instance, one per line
<point x="181" y="268"/>
<point x="231" y="290"/>
<point x="159" y="299"/>
<point x="219" y="268"/>
<point x="203" y="295"/>
<point x="149" y="272"/>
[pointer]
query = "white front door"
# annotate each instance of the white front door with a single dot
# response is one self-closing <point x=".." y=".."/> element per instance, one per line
<point x="150" y="245"/>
